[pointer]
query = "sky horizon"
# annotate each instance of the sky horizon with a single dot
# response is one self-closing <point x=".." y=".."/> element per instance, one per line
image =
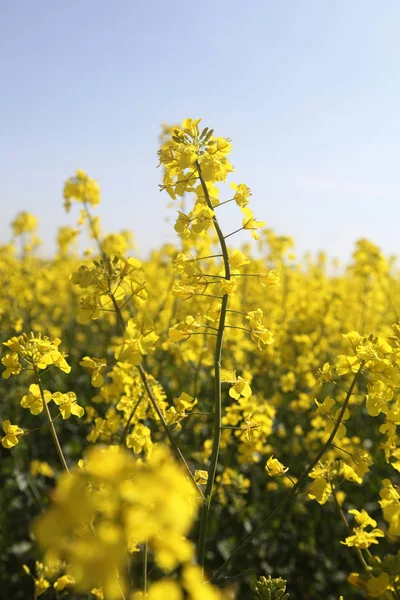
<point x="309" y="93"/>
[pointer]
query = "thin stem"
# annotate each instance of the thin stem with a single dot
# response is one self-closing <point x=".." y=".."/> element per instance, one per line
<point x="345" y="521"/>
<point x="200" y="333"/>
<point x="209" y="296"/>
<point x="205" y="511"/>
<point x="124" y="433"/>
<point x="296" y="488"/>
<point x="155" y="405"/>
<point x="51" y="424"/>
<point x="145" y="561"/>
<point x="166" y="428"/>
<point x="211" y="256"/>
<point x="193" y="414"/>
<point x="239" y="428"/>
<point x="233" y="233"/>
<point x="93" y="227"/>
<point x="210" y="327"/>
<point x="245" y="275"/>
<point x="224" y="202"/>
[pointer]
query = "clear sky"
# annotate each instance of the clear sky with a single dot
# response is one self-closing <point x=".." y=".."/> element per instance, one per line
<point x="309" y="92"/>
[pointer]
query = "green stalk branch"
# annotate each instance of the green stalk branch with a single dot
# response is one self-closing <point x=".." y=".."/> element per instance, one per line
<point x="126" y="428"/>
<point x="92" y="227"/>
<point x="50" y="421"/>
<point x="295" y="489"/>
<point x="346" y="523"/>
<point x="155" y="405"/>
<point x="145" y="565"/>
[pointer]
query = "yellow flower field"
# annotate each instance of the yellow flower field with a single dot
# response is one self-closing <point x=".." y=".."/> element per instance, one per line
<point x="209" y="422"/>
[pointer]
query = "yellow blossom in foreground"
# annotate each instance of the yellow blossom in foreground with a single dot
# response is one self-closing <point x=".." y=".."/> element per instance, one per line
<point x="161" y="590"/>
<point x="192" y="587"/>
<point x="114" y="503"/>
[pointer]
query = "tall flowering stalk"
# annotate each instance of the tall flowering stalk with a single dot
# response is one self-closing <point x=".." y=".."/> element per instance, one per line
<point x="195" y="162"/>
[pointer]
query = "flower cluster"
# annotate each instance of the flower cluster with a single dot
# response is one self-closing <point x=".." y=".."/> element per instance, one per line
<point x="106" y="509"/>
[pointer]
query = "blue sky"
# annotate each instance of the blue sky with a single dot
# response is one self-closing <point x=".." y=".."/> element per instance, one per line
<point x="308" y="91"/>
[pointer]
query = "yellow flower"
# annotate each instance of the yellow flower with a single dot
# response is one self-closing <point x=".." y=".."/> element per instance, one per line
<point x="237" y="260"/>
<point x="197" y="588"/>
<point x="127" y="503"/>
<point x="319" y="490"/>
<point x="242" y="193"/>
<point x="363" y="539"/>
<point x="65" y="238"/>
<point x="34" y="401"/>
<point x="63" y="581"/>
<point x="139" y="340"/>
<point x="201" y="477"/>
<point x="40" y="352"/>
<point x="240" y="388"/>
<point x="81" y="188"/>
<point x="191" y="126"/>
<point x="274" y="467"/>
<point x="68" y="405"/>
<point x="24" y="222"/>
<point x="94" y="366"/>
<point x="12" y="364"/>
<point x="166" y="589"/>
<point x="13" y="433"/>
<point x="347" y="364"/>
<point x="140" y="439"/>
<point x="362" y="517"/>
<point x="38" y="467"/>
<point x="249" y="222"/>
<point x="183" y="330"/>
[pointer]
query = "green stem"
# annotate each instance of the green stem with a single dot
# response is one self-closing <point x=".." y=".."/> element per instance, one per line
<point x="145" y="561"/>
<point x="345" y="521"/>
<point x="224" y="202"/>
<point x="295" y="489"/>
<point x="233" y="232"/>
<point x="205" y="511"/>
<point x="166" y="428"/>
<point x="155" y="405"/>
<point x="211" y="256"/>
<point x="93" y="227"/>
<point x="51" y="424"/>
<point x="125" y="432"/>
